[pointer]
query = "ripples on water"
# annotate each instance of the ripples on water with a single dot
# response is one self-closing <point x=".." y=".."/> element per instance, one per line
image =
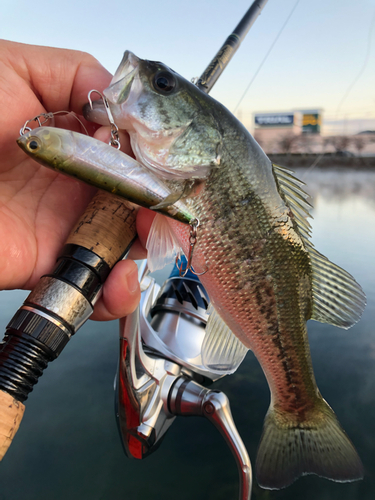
<point x="68" y="447"/>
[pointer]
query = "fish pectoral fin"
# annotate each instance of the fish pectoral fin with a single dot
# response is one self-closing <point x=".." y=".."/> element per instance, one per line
<point x="317" y="445"/>
<point x="222" y="351"/>
<point x="168" y="201"/>
<point x="337" y="298"/>
<point x="173" y="198"/>
<point x="161" y="244"/>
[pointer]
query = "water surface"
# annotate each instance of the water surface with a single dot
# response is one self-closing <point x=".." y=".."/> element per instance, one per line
<point x="68" y="447"/>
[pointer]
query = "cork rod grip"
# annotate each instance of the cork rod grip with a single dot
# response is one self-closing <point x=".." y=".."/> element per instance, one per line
<point x="107" y="229"/>
<point x="11" y="413"/>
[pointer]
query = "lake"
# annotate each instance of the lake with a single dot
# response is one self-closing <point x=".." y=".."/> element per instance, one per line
<point x="68" y="446"/>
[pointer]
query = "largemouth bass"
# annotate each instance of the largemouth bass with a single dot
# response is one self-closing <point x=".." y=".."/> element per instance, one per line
<point x="102" y="166"/>
<point x="265" y="279"/>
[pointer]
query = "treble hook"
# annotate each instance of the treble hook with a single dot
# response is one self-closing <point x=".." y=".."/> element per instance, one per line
<point x="194" y="224"/>
<point x="115" y="138"/>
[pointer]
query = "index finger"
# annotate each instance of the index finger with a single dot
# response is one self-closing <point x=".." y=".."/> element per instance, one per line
<point x="60" y="78"/>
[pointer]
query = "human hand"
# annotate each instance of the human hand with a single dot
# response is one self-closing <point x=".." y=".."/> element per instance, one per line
<point x="38" y="207"/>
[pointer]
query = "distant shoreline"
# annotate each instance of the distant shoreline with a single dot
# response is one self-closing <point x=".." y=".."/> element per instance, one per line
<point x="329" y="160"/>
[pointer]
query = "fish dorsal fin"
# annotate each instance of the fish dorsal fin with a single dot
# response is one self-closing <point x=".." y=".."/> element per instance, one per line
<point x="337" y="298"/>
<point x="222" y="351"/>
<point x="161" y="244"/>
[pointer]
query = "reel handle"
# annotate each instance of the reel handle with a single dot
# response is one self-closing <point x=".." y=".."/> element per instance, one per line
<point x="61" y="303"/>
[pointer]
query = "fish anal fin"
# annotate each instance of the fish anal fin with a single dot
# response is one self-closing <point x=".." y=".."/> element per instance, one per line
<point x="318" y="445"/>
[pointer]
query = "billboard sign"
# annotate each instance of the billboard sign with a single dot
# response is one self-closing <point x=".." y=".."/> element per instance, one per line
<point x="311" y="123"/>
<point x="275" y="120"/>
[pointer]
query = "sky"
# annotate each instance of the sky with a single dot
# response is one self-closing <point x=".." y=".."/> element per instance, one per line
<point x="323" y="58"/>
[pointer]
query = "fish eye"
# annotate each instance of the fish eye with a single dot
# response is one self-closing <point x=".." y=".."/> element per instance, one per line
<point x="164" y="82"/>
<point x="33" y="145"/>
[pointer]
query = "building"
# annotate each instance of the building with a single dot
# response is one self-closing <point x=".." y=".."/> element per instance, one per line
<point x="277" y="131"/>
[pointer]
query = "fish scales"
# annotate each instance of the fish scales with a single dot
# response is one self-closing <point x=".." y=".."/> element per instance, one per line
<point x="266" y="292"/>
<point x="264" y="278"/>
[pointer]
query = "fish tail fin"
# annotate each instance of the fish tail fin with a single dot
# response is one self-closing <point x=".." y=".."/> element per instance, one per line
<point x="318" y="445"/>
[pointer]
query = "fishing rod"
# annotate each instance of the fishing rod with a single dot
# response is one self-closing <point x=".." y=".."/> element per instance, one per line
<point x="63" y="300"/>
<point x="218" y="64"/>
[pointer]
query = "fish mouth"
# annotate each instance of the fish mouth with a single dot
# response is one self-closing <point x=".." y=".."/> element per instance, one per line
<point x="128" y="64"/>
<point x="119" y="89"/>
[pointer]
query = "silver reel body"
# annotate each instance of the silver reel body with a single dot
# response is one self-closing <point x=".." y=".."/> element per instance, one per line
<point x="161" y="374"/>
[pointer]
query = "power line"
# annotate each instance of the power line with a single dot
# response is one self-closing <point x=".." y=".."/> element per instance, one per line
<point x="267" y="54"/>
<point x="365" y="62"/>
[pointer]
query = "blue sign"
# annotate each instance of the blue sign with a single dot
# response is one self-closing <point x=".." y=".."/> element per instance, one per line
<point x="274" y="120"/>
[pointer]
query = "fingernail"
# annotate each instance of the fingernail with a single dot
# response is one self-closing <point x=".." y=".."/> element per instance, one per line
<point x="132" y="281"/>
